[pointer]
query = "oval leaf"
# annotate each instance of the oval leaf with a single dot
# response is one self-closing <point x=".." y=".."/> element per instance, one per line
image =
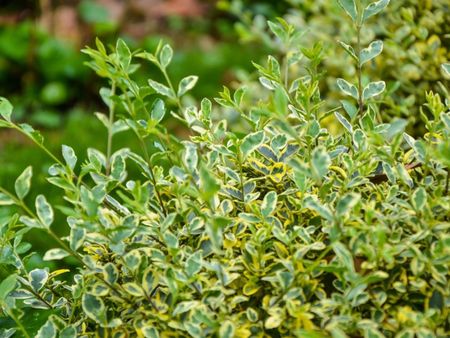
<point x="374" y="49"/>
<point x="44" y="211"/>
<point x="373" y="89"/>
<point x="347" y="88"/>
<point x="23" y="183"/>
<point x="187" y="84"/>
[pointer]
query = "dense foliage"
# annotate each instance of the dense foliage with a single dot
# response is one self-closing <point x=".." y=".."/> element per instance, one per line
<point x="261" y="223"/>
<point x="416" y="40"/>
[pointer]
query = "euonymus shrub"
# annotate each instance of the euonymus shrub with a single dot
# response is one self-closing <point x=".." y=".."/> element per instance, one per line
<point x="272" y="228"/>
<point x="415" y="34"/>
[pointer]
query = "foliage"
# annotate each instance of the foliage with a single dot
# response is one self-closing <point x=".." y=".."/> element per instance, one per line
<point x="416" y="44"/>
<point x="271" y="227"/>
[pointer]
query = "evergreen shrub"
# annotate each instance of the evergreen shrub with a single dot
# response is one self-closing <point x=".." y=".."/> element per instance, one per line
<point x="273" y="227"/>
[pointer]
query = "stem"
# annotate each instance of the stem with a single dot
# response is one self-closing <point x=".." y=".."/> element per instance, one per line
<point x="241" y="176"/>
<point x="18" y="323"/>
<point x="110" y="129"/>
<point x="359" y="69"/>
<point x="172" y="88"/>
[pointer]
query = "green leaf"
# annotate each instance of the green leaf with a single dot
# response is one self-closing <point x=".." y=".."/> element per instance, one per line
<point x="93" y="307"/>
<point x="161" y="89"/>
<point x="349" y="6"/>
<point x="322" y="210"/>
<point x="165" y="56"/>
<point x="344" y="255"/>
<point x="373" y="89"/>
<point x="55" y="254"/>
<point x="158" y="110"/>
<point x="7" y="286"/>
<point x="320" y="161"/>
<point x="184" y="307"/>
<point x="5" y="199"/>
<point x="446" y="68"/>
<point x="194" y="264"/>
<point x="209" y="184"/>
<point x="374" y="8"/>
<point x="38" y="278"/>
<point x="30" y="222"/>
<point x="48" y="330"/>
<point x="133" y="260"/>
<point x="69" y="156"/>
<point x="251" y="142"/>
<point x="76" y="237"/>
<point x="346" y="204"/>
<point x="187" y="84"/>
<point x="419" y="199"/>
<point x="349" y="49"/>
<point x="118" y="167"/>
<point x="68" y="332"/>
<point x="347" y="88"/>
<point x="404" y="175"/>
<point x="110" y="273"/>
<point x="150" y="332"/>
<point x="374" y="49"/>
<point x="44" y="211"/>
<point x="269" y="204"/>
<point x="347" y="125"/>
<point x="123" y="53"/>
<point x="133" y="289"/>
<point x="190" y="156"/>
<point x="227" y="329"/>
<point x="5" y="109"/>
<point x="23" y="183"/>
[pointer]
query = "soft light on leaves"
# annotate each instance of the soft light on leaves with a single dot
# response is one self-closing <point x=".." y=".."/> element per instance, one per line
<point x="374" y="8"/>
<point x="55" y="254"/>
<point x="374" y="49"/>
<point x="350" y="8"/>
<point x="186" y="84"/>
<point x="5" y="109"/>
<point x="347" y="88"/>
<point x="68" y="332"/>
<point x="251" y="142"/>
<point x="69" y="156"/>
<point x="44" y="211"/>
<point x="23" y="183"/>
<point x="373" y="89"/>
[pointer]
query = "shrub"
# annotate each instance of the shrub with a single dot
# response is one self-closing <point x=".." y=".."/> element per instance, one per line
<point x="416" y="44"/>
<point x="272" y="228"/>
